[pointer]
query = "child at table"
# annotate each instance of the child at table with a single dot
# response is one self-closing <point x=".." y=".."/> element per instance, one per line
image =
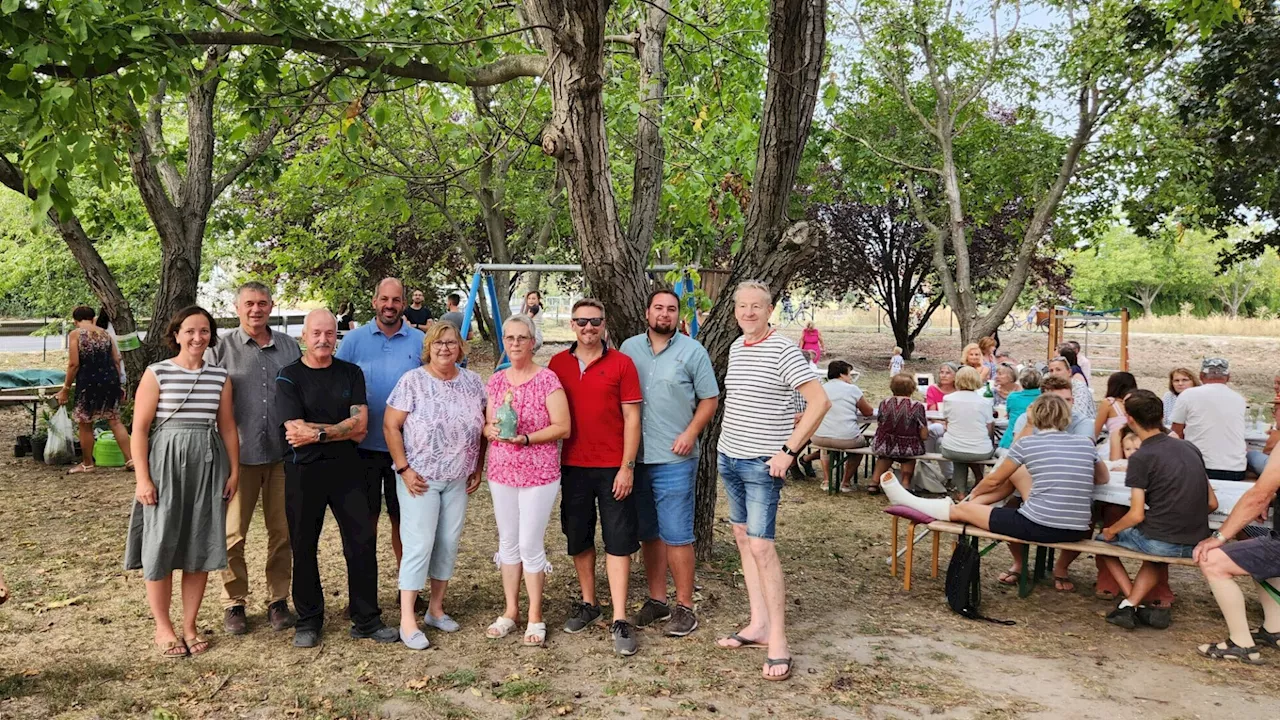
<point x="1121" y="447"/>
<point x="1168" y="476"/>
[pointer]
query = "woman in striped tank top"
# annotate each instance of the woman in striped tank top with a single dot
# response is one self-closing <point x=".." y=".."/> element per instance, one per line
<point x="186" y="468"/>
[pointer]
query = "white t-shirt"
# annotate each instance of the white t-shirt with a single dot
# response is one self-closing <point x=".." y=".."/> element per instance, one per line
<point x="1213" y="414"/>
<point x="967" y="414"/>
<point x="759" y="402"/>
<point x="841" y="421"/>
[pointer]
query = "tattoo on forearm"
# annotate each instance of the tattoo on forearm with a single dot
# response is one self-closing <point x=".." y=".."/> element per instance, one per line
<point x="346" y="428"/>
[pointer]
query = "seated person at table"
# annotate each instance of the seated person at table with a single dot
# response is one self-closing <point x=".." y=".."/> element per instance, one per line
<point x="969" y="420"/>
<point x="1111" y="414"/>
<point x="1080" y="424"/>
<point x="1018" y="401"/>
<point x="1258" y="557"/>
<point x="1006" y="384"/>
<point x="900" y="431"/>
<point x="1121" y="447"/>
<point x="839" y="428"/>
<point x="1053" y="471"/>
<point x="1168" y="475"/>
<point x="1211" y="417"/>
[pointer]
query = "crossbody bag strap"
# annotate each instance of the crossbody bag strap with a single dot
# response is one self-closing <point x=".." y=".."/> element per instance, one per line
<point x="184" y="397"/>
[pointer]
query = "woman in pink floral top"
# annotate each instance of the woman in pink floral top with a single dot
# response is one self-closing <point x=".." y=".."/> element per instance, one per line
<point x="524" y="474"/>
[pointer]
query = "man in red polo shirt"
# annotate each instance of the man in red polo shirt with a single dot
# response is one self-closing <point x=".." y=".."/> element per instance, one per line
<point x="598" y="461"/>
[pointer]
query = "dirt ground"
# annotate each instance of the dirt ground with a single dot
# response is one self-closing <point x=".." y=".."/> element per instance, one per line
<point x="75" y="639"/>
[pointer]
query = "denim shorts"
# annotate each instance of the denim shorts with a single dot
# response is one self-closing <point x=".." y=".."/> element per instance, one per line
<point x="752" y="492"/>
<point x="1134" y="539"/>
<point x="664" y="501"/>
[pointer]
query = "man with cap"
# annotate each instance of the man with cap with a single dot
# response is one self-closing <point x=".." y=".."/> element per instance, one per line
<point x="1211" y="417"/>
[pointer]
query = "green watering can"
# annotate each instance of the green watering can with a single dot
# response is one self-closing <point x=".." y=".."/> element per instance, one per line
<point x="106" y="452"/>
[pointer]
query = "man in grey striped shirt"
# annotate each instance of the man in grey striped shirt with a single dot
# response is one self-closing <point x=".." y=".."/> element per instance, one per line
<point x="253" y="356"/>
<point x="759" y="440"/>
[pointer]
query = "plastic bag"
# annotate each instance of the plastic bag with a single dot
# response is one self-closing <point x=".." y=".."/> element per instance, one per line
<point x="60" y="449"/>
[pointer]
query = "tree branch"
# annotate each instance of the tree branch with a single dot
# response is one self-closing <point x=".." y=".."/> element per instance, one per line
<point x="497" y="72"/>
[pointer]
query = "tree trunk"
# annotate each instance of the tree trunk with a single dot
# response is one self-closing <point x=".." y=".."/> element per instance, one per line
<point x="575" y="136"/>
<point x="772" y="248"/>
<point x="1145" y="296"/>
<point x="533" y="280"/>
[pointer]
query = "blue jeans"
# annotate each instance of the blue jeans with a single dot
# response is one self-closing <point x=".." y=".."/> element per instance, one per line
<point x="664" y="501"/>
<point x="1134" y="539"/>
<point x="1256" y="461"/>
<point x="753" y="494"/>
<point x="430" y="528"/>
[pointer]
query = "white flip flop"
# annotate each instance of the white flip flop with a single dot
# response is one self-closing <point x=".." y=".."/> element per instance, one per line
<point x="537" y="630"/>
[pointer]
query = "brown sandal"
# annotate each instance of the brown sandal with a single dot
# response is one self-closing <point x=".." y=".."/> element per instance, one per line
<point x="173" y="650"/>
<point x="197" y="645"/>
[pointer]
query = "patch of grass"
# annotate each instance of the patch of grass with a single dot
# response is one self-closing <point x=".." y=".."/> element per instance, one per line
<point x="69" y="684"/>
<point x="459" y="678"/>
<point x="941" y="657"/>
<point x="517" y="689"/>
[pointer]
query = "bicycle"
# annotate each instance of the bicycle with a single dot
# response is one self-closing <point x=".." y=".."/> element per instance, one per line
<point x="795" y="314"/>
<point x="1093" y="321"/>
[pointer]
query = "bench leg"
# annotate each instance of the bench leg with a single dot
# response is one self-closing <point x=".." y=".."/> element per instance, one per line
<point x="838" y="460"/>
<point x="893" y="565"/>
<point x="911" y="547"/>
<point x="1025" y="582"/>
<point x="933" y="573"/>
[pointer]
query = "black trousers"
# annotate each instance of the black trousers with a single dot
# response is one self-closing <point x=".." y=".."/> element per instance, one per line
<point x="338" y="485"/>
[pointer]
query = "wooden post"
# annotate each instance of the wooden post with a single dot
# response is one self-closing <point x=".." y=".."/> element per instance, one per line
<point x="1124" y="339"/>
<point x="934" y="571"/>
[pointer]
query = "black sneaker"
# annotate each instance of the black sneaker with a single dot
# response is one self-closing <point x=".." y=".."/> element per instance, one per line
<point x="624" y="638"/>
<point x="683" y="621"/>
<point x="306" y="638"/>
<point x="234" y="620"/>
<point x="383" y="634"/>
<point x="1125" y="617"/>
<point x="653" y="611"/>
<point x="581" y="616"/>
<point x="1270" y="639"/>
<point x="1155" y="617"/>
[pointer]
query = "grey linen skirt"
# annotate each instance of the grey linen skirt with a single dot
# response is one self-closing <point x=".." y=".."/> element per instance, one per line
<point x="187" y="527"/>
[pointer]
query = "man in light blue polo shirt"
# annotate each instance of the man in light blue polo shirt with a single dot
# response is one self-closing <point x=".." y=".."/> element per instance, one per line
<point x="680" y="398"/>
<point x="384" y="349"/>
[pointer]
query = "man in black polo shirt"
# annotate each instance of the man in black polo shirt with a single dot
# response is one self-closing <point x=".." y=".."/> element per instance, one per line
<point x="1168" y="511"/>
<point x="321" y="403"/>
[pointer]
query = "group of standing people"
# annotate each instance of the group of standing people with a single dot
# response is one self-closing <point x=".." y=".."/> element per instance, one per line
<point x="390" y="416"/>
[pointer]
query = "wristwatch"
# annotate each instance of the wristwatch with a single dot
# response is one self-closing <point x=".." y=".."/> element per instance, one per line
<point x="631" y="464"/>
<point x="789" y="451"/>
<point x="322" y="435"/>
<point x="1217" y="536"/>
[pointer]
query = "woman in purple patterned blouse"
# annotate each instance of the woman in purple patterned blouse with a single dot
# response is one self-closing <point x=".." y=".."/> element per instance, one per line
<point x="524" y="474"/>
<point x="434" y="427"/>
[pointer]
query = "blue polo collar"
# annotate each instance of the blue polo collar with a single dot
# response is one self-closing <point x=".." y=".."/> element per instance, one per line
<point x="378" y="331"/>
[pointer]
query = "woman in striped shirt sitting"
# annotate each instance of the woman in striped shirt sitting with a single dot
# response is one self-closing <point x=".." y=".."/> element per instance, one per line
<point x="186" y="468"/>
<point x="1054" y="473"/>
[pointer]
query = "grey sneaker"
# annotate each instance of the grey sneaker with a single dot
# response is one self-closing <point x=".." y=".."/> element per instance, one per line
<point x="383" y="634"/>
<point x="624" y="638"/>
<point x="653" y="611"/>
<point x="580" y="617"/>
<point x="683" y="621"/>
<point x="307" y="638"/>
<point x="443" y="623"/>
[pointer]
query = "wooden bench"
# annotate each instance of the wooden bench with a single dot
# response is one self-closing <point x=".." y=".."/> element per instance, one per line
<point x="1029" y="578"/>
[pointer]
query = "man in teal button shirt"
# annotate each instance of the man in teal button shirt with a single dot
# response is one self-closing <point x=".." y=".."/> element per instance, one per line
<point x="385" y="350"/>
<point x="680" y="398"/>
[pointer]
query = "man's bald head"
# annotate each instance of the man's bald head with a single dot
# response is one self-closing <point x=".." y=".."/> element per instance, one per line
<point x="322" y="316"/>
<point x="389" y="285"/>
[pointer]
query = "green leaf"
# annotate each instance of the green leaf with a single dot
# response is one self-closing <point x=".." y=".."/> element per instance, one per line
<point x="8" y="6"/>
<point x="140" y="31"/>
<point x="19" y="72"/>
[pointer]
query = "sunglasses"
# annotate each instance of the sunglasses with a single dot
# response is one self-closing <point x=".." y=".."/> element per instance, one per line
<point x="582" y="322"/>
